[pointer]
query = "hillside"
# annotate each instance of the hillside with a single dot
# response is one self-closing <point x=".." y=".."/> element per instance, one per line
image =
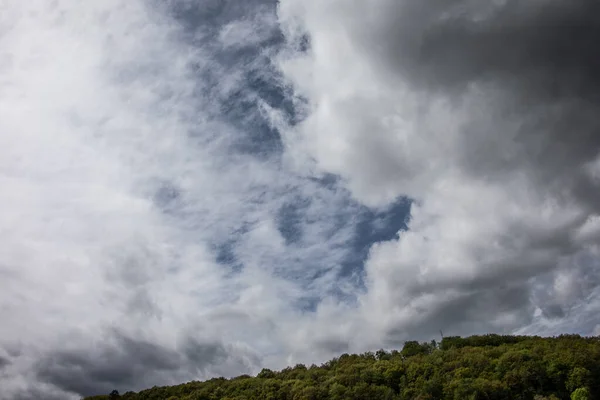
<point x="478" y="367"/>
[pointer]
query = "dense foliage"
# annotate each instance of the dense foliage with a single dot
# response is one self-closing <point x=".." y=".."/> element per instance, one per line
<point x="490" y="367"/>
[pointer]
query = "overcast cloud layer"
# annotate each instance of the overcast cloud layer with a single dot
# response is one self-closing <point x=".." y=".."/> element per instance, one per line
<point x="204" y="188"/>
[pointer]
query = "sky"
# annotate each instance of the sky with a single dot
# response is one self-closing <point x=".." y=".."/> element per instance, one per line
<point x="202" y="188"/>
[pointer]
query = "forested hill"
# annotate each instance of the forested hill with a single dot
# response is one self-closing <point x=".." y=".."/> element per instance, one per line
<point x="478" y="367"/>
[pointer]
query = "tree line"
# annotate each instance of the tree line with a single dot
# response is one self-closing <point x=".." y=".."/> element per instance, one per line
<point x="490" y="367"/>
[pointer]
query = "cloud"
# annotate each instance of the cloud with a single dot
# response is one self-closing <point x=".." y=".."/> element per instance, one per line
<point x="217" y="187"/>
<point x="124" y="362"/>
<point x="127" y="364"/>
<point x="484" y="115"/>
<point x="135" y="145"/>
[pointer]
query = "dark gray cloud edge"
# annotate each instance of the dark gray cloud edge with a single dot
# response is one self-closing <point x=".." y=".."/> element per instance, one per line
<point x="446" y="44"/>
<point x="538" y="58"/>
<point x="540" y="62"/>
<point x="126" y="363"/>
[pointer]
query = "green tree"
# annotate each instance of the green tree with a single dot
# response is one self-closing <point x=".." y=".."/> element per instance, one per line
<point x="486" y="367"/>
<point x="579" y="377"/>
<point x="265" y="373"/>
<point x="580" y="394"/>
<point x="413" y="348"/>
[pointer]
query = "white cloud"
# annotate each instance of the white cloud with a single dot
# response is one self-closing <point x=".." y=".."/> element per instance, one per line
<point x="118" y="181"/>
<point x="251" y="30"/>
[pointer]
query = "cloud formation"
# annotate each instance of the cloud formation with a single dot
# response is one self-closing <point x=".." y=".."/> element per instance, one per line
<point x="197" y="189"/>
<point x="133" y="156"/>
<point x="484" y="115"/>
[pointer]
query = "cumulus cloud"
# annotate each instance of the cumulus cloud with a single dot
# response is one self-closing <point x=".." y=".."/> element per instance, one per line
<point x="484" y="115"/>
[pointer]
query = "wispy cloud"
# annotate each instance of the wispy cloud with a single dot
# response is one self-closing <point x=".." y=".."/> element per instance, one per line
<point x="133" y="150"/>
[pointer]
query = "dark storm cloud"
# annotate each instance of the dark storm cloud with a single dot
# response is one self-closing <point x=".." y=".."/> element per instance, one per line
<point x="126" y="364"/>
<point x="123" y="365"/>
<point x="34" y="394"/>
<point x="539" y="67"/>
<point x="468" y="313"/>
<point x="444" y="44"/>
<point x="541" y="60"/>
<point x="484" y="114"/>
